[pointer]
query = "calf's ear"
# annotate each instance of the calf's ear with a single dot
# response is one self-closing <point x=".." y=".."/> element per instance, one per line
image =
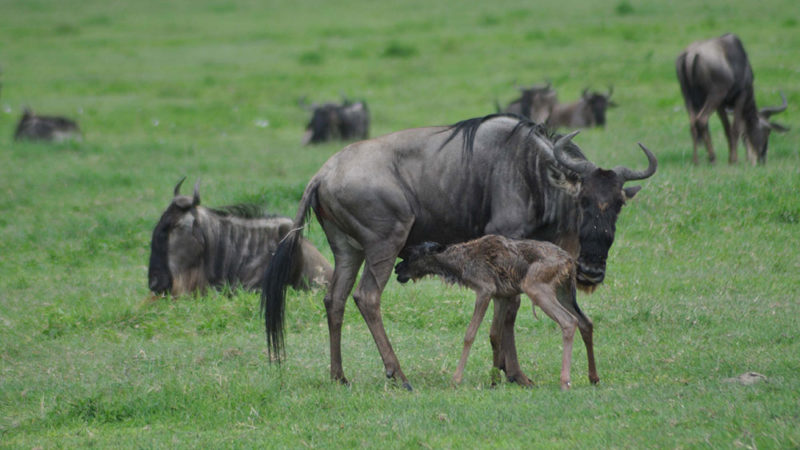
<point x="631" y="191"/>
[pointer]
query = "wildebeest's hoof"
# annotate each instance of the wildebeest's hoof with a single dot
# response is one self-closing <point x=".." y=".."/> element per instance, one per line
<point x="408" y="387"/>
<point x="521" y="380"/>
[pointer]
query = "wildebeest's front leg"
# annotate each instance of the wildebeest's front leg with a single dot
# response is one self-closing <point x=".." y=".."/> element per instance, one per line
<point x="481" y="304"/>
<point x="566" y="296"/>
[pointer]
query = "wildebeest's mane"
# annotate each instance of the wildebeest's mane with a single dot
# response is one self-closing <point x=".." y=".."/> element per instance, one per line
<point x="469" y="129"/>
<point x="243" y="211"/>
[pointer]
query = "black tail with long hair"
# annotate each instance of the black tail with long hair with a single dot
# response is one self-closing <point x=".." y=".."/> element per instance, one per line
<point x="278" y="276"/>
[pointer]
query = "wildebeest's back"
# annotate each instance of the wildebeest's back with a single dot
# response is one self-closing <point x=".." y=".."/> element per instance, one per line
<point x="450" y="191"/>
<point x="720" y="61"/>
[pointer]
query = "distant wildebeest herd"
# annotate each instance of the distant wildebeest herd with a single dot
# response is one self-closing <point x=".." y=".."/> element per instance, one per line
<point x="502" y="204"/>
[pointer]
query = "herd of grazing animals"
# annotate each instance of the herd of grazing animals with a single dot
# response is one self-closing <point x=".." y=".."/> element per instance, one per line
<point x="449" y="201"/>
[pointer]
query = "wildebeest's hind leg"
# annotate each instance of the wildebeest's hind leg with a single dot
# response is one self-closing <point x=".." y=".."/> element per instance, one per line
<point x="567" y="297"/>
<point x="481" y="304"/>
<point x="380" y="257"/>
<point x="504" y="347"/>
<point x="543" y="295"/>
<point x="347" y="261"/>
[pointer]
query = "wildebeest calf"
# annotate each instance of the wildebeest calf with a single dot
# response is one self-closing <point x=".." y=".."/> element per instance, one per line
<point x="46" y="128"/>
<point x="194" y="247"/>
<point x="501" y="268"/>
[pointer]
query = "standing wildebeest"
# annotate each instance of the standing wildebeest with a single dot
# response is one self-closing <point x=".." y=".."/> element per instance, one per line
<point x="194" y="247"/>
<point x="497" y="174"/>
<point x="535" y="103"/>
<point x="715" y="75"/>
<point x="330" y="121"/>
<point x="589" y="111"/>
<point x="501" y="269"/>
<point x="46" y="128"/>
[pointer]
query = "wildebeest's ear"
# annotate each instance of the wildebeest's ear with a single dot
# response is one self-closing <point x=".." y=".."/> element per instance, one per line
<point x="558" y="179"/>
<point x="778" y="127"/>
<point x="612" y="104"/>
<point x="196" y="194"/>
<point x="629" y="192"/>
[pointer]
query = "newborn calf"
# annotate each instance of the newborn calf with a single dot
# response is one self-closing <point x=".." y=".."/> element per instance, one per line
<point x="502" y="268"/>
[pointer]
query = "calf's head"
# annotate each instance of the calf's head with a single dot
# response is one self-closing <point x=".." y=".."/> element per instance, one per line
<point x="177" y="244"/>
<point x="418" y="261"/>
<point x="600" y="199"/>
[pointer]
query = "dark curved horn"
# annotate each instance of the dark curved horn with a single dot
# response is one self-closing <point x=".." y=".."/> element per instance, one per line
<point x="579" y="167"/>
<point x="768" y="111"/>
<point x="196" y="194"/>
<point x="177" y="190"/>
<point x="585" y="91"/>
<point x="630" y="175"/>
<point x="610" y="90"/>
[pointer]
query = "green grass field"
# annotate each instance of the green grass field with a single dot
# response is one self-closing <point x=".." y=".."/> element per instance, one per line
<point x="702" y="281"/>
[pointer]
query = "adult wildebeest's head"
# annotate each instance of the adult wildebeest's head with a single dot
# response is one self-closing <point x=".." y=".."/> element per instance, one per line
<point x="588" y="111"/>
<point x="715" y="75"/>
<point x="600" y="199"/>
<point x="45" y="128"/>
<point x="598" y="104"/>
<point x="330" y="121"/>
<point x="535" y="103"/>
<point x="178" y="217"/>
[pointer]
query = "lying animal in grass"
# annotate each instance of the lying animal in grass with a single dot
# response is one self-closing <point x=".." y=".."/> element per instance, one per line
<point x="501" y="268"/>
<point x="194" y="247"/>
<point x="46" y="128"/>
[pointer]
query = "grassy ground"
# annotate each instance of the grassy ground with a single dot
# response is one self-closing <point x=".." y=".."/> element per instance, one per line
<point x="702" y="280"/>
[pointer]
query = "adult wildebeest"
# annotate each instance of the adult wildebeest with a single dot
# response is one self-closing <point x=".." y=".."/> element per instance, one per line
<point x="501" y="269"/>
<point x="534" y="103"/>
<point x="45" y="128"/>
<point x="497" y="174"/>
<point x="589" y="111"/>
<point x="715" y="75"/>
<point x="330" y="121"/>
<point x="194" y="247"/>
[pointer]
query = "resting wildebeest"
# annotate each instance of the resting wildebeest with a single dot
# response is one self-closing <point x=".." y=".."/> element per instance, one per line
<point x="330" y="121"/>
<point x="45" y="128"/>
<point x="589" y="111"/>
<point x="715" y="75"/>
<point x="194" y="247"/>
<point x="534" y="103"/>
<point x="501" y="269"/>
<point x="497" y="174"/>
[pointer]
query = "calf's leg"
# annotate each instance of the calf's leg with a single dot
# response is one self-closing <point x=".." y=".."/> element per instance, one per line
<point x="481" y="304"/>
<point x="544" y="295"/>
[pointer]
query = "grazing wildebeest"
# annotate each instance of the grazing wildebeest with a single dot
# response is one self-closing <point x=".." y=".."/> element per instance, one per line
<point x="499" y="268"/>
<point x="46" y="128"/>
<point x="331" y="121"/>
<point x="589" y="111"/>
<point x="715" y="75"/>
<point x="534" y="103"/>
<point x="194" y="247"/>
<point x="497" y="174"/>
